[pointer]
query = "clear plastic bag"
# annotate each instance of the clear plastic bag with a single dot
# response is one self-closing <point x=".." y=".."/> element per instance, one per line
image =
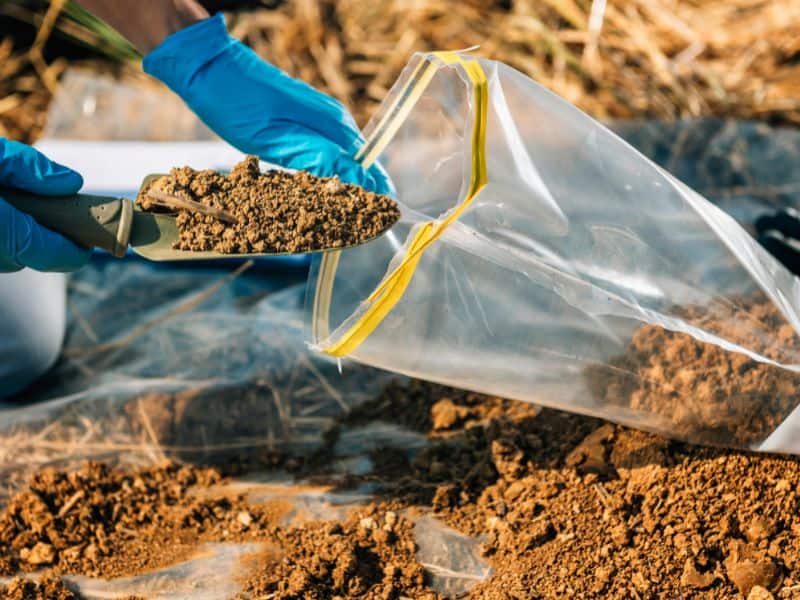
<point x="746" y="168"/>
<point x="542" y="258"/>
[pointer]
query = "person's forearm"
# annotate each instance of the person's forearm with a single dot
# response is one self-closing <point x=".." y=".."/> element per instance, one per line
<point x="146" y="23"/>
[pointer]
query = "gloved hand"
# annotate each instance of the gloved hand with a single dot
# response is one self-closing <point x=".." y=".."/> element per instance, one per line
<point x="258" y="108"/>
<point x="23" y="242"/>
<point x="779" y="233"/>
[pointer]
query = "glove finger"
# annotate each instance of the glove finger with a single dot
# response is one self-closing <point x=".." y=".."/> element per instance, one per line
<point x="296" y="147"/>
<point x="25" y="243"/>
<point x="28" y="169"/>
<point x="786" y="254"/>
<point x="786" y="222"/>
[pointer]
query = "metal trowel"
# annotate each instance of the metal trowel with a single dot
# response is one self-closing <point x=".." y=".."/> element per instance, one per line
<point x="113" y="224"/>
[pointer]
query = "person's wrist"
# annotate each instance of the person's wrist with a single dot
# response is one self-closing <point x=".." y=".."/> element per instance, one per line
<point x="175" y="16"/>
<point x="146" y="23"/>
<point x="182" y="14"/>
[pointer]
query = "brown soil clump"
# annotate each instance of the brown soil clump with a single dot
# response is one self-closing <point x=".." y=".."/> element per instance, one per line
<point x="88" y="521"/>
<point x="369" y="555"/>
<point x="276" y="211"/>
<point x="49" y="587"/>
<point x="705" y="393"/>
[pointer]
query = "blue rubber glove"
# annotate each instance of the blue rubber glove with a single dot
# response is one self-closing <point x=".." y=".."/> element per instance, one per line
<point x="259" y="109"/>
<point x="23" y="242"/>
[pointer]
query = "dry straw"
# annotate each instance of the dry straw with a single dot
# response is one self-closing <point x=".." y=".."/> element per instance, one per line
<point x="614" y="58"/>
<point x="621" y="58"/>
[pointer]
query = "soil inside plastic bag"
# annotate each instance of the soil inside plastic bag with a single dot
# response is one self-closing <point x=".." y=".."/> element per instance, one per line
<point x="704" y="391"/>
<point x="275" y="212"/>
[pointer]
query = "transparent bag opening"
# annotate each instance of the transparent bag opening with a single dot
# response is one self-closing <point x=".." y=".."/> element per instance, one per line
<point x="542" y="258"/>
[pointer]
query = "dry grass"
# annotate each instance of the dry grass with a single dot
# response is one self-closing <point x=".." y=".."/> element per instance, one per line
<point x="26" y="79"/>
<point x="613" y="58"/>
<point x="23" y="96"/>
<point x="626" y="58"/>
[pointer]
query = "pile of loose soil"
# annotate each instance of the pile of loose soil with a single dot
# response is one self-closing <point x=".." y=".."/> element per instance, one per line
<point x="109" y="523"/>
<point x="275" y="212"/>
<point x="565" y="506"/>
<point x="368" y="555"/>
<point x="570" y="506"/>
<point x="705" y="393"/>
<point x="88" y="521"/>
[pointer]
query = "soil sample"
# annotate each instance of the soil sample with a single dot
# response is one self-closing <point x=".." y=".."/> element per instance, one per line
<point x="705" y="393"/>
<point x="273" y="212"/>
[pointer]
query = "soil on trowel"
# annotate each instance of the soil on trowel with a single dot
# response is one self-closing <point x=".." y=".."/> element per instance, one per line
<point x="701" y="391"/>
<point x="275" y="212"/>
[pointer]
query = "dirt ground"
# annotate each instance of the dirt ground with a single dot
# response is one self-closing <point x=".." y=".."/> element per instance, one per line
<point x="564" y="506"/>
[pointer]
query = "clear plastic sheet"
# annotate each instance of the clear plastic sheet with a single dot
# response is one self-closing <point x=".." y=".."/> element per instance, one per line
<point x="535" y="245"/>
<point x="452" y="559"/>
<point x="200" y="364"/>
<point x="211" y="575"/>
<point x="210" y="366"/>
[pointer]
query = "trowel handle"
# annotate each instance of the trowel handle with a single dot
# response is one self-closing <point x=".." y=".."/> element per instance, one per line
<point x="92" y="221"/>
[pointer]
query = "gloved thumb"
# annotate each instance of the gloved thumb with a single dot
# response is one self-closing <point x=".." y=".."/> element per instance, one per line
<point x="25" y="243"/>
<point x="28" y="169"/>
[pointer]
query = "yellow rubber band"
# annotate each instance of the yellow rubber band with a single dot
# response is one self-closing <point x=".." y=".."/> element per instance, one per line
<point x="389" y="292"/>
